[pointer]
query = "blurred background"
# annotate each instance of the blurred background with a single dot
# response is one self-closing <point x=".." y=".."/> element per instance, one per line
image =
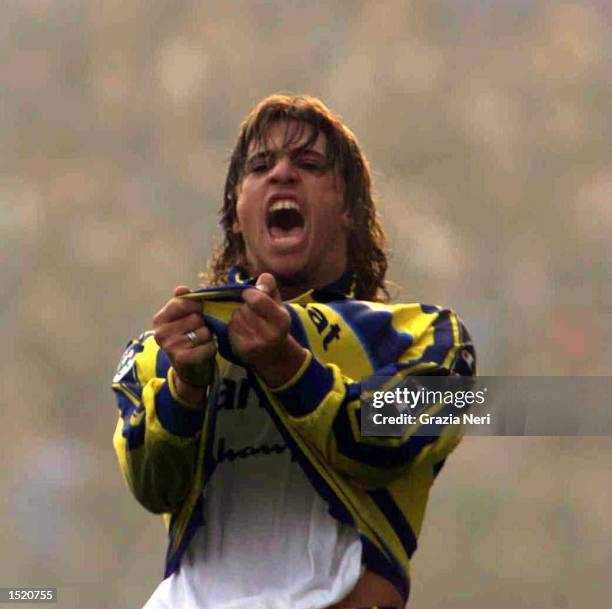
<point x="488" y="126"/>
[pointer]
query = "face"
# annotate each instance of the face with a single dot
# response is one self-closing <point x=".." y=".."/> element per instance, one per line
<point x="291" y="212"/>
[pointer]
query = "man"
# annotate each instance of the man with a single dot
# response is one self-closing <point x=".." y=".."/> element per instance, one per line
<point x="239" y="417"/>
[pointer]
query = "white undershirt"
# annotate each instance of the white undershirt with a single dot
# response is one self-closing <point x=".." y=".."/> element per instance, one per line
<point x="268" y="541"/>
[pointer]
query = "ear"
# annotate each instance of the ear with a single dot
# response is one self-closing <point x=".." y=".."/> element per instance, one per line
<point x="236" y="226"/>
<point x="347" y="219"/>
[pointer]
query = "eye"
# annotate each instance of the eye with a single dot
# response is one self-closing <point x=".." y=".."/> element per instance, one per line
<point x="310" y="164"/>
<point x="258" y="165"/>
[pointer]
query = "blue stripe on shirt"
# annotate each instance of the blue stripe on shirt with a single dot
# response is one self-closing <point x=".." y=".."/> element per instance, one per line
<point x="374" y="329"/>
<point x="393" y="514"/>
<point x="162" y="364"/>
<point x="444" y="340"/>
<point x="297" y="328"/>
<point x="308" y="391"/>
<point x="133" y="434"/>
<point x="370" y="454"/>
<point x="176" y="418"/>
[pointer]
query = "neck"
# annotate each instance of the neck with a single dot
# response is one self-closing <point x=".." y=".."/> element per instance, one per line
<point x="289" y="292"/>
<point x="294" y="286"/>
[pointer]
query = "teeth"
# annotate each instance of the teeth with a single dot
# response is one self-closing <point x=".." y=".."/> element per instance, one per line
<point x="284" y="204"/>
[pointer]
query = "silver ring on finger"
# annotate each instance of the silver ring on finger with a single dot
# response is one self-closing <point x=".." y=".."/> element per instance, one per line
<point x="194" y="339"/>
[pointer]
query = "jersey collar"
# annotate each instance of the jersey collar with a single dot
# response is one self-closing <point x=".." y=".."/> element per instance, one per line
<point x="340" y="289"/>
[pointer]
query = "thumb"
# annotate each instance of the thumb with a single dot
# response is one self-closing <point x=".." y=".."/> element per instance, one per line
<point x="267" y="284"/>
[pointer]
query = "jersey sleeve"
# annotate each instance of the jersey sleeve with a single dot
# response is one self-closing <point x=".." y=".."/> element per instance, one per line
<point x="156" y="437"/>
<point x="323" y="401"/>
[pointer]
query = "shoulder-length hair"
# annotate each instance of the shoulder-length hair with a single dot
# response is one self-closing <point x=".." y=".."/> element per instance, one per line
<point x="366" y="247"/>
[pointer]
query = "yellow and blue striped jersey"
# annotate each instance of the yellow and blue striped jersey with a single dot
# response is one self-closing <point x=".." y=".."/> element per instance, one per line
<point x="378" y="485"/>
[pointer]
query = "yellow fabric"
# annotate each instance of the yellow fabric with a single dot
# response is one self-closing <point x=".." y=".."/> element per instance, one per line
<point x="165" y="472"/>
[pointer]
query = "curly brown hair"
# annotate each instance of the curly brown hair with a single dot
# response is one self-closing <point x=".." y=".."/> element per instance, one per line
<point x="366" y="248"/>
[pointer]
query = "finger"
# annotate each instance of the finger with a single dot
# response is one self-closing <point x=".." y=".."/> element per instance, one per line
<point x="182" y="325"/>
<point x="194" y="355"/>
<point x="239" y="324"/>
<point x="265" y="308"/>
<point x="243" y="335"/>
<point x="201" y="336"/>
<point x="174" y="309"/>
<point x="258" y="325"/>
<point x="171" y="332"/>
<point x="262" y="304"/>
<point x="267" y="284"/>
<point x="181" y="290"/>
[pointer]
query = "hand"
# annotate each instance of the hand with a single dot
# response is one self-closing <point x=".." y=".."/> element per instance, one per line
<point x="192" y="364"/>
<point x="259" y="334"/>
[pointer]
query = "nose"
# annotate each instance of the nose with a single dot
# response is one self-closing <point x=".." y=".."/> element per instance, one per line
<point x="283" y="171"/>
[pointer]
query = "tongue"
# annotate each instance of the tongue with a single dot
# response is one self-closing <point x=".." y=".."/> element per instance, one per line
<point x="281" y="233"/>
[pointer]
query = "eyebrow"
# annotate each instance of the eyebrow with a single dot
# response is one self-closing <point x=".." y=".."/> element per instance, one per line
<point x="265" y="154"/>
<point x="262" y="154"/>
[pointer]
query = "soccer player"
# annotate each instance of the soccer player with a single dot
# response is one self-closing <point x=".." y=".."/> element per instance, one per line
<point x="240" y="414"/>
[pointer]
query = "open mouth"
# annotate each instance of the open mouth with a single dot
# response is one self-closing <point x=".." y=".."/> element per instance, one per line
<point x="285" y="220"/>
